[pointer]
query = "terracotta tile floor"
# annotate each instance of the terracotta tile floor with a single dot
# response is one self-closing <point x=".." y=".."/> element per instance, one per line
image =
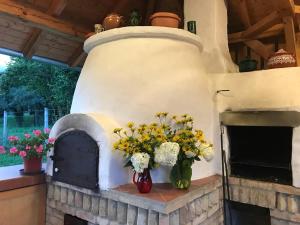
<point x="165" y="192"/>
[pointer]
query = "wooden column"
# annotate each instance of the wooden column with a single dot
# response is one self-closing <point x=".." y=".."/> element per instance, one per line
<point x="290" y="36"/>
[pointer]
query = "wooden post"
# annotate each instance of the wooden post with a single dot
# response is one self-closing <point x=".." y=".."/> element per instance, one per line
<point x="46" y="118"/>
<point x="290" y="36"/>
<point x="4" y="128"/>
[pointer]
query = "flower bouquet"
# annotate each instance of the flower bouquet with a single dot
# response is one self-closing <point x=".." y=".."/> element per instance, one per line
<point x="170" y="142"/>
<point x="31" y="147"/>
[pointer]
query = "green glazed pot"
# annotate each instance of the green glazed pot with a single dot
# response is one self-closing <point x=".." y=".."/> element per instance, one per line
<point x="247" y="65"/>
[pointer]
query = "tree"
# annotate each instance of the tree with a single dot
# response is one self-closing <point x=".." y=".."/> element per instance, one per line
<point x="28" y="84"/>
<point x="22" y="99"/>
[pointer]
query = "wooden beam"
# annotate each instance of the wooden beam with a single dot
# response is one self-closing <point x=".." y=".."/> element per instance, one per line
<point x="57" y="7"/>
<point x="297" y="9"/>
<point x="262" y="25"/>
<point x="290" y="36"/>
<point x="243" y="12"/>
<point x="259" y="48"/>
<point x="42" y="21"/>
<point x="32" y="43"/>
<point x="77" y="57"/>
<point x="285" y="7"/>
<point x="274" y="31"/>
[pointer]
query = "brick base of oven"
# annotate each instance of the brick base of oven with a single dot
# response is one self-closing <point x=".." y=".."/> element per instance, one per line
<point x="201" y="207"/>
<point x="282" y="200"/>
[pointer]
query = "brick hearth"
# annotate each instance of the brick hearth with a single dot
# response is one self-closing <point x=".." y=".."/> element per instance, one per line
<point x="200" y="205"/>
<point x="282" y="200"/>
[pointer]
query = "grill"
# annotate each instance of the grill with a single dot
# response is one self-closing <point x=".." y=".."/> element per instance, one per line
<point x="76" y="159"/>
<point x="261" y="144"/>
<point x="261" y="153"/>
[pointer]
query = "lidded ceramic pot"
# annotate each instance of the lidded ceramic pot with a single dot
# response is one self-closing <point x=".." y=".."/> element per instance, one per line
<point x="113" y="20"/>
<point x="281" y="59"/>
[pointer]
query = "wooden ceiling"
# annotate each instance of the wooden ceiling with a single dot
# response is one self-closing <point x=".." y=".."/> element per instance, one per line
<point x="56" y="29"/>
<point x="257" y="23"/>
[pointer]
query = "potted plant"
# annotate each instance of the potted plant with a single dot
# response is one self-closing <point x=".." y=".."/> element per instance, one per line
<point x="170" y="142"/>
<point x="31" y="147"/>
<point x="167" y="13"/>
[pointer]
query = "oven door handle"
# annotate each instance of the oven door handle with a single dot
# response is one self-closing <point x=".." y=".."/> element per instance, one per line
<point x="56" y="159"/>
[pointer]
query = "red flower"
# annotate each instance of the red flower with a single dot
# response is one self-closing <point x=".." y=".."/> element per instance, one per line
<point x="13" y="150"/>
<point x="22" y="154"/>
<point x="2" y="150"/>
<point x="51" y="140"/>
<point x="37" y="132"/>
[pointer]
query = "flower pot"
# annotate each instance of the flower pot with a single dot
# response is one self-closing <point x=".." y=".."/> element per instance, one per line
<point x="33" y="165"/>
<point x="143" y="182"/>
<point x="165" y="19"/>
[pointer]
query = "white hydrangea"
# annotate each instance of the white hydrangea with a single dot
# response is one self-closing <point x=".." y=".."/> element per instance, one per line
<point x="140" y="161"/>
<point x="166" y="154"/>
<point x="190" y="154"/>
<point x="207" y="152"/>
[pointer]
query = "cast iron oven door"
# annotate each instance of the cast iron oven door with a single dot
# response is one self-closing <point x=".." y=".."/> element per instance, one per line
<point x="76" y="159"/>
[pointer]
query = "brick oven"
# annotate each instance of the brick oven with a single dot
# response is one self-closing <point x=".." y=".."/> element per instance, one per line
<point x="87" y="183"/>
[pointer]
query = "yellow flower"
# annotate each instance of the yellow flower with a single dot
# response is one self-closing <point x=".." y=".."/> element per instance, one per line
<point x="117" y="130"/>
<point x="153" y="125"/>
<point x="145" y="137"/>
<point x="176" y="138"/>
<point x="130" y="124"/>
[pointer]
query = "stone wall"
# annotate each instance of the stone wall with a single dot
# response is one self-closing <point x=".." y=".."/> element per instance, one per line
<point x="197" y="207"/>
<point x="283" y="200"/>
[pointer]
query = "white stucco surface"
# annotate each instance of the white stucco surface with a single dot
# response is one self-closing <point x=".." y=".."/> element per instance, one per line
<point x="133" y="78"/>
<point x="276" y="89"/>
<point x="211" y="21"/>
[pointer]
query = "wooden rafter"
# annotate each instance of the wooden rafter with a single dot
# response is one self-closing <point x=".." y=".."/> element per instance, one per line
<point x="286" y="7"/>
<point x="55" y="9"/>
<point x="42" y="21"/>
<point x="259" y="48"/>
<point x="243" y="12"/>
<point x="290" y="36"/>
<point x="262" y="25"/>
<point x="77" y="57"/>
<point x="273" y="31"/>
<point x="31" y="43"/>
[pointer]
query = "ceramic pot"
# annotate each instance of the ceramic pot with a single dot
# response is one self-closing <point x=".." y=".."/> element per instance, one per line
<point x="281" y="59"/>
<point x="113" y="20"/>
<point x="165" y="19"/>
<point x="247" y="65"/>
<point x="33" y="165"/>
<point x="143" y="181"/>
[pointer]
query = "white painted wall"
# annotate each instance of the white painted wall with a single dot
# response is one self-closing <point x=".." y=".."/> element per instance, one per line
<point x="276" y="89"/>
<point x="211" y="20"/>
